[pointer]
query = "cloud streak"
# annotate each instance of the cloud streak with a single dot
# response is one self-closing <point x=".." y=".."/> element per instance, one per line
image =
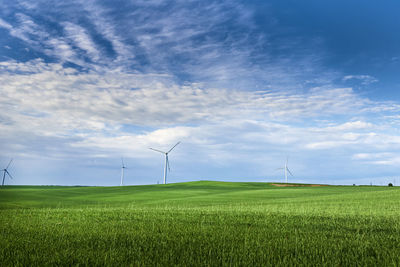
<point x="364" y="79"/>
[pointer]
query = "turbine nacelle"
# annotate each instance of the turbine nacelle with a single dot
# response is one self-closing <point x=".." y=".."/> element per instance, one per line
<point x="166" y="164"/>
<point x="123" y="164"/>
<point x="123" y="167"/>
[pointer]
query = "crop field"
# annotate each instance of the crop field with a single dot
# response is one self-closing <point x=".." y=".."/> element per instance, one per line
<point x="200" y="224"/>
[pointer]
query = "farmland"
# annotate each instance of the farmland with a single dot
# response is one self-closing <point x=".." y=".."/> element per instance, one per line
<point x="200" y="224"/>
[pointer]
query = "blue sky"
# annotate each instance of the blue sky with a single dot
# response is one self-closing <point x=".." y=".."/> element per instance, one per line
<point x="242" y="84"/>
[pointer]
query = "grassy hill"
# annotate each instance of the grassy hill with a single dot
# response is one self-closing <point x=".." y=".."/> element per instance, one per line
<point x="199" y="223"/>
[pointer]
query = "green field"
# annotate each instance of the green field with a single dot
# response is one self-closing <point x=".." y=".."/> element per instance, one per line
<point x="200" y="224"/>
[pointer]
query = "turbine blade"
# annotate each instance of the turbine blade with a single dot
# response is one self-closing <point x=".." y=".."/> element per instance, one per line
<point x="9" y="174"/>
<point x="174" y="146"/>
<point x="289" y="171"/>
<point x="157" y="150"/>
<point x="122" y="161"/>
<point x="9" y="164"/>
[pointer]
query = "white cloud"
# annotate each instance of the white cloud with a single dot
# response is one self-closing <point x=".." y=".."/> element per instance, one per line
<point x="156" y="100"/>
<point x="377" y="158"/>
<point x="91" y="110"/>
<point x="365" y="79"/>
<point x="353" y="125"/>
<point x="4" y="24"/>
<point x="98" y="16"/>
<point x="82" y="39"/>
<point x="364" y="156"/>
<point x="40" y="39"/>
<point x="160" y="37"/>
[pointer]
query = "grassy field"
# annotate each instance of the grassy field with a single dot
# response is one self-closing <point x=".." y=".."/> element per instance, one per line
<point x="200" y="224"/>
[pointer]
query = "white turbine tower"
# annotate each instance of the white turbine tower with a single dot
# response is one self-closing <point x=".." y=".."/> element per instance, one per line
<point x="123" y="167"/>
<point x="5" y="171"/>
<point x="166" y="164"/>
<point x="286" y="170"/>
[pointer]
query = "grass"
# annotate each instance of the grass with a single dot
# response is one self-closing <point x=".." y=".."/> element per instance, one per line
<point x="200" y="224"/>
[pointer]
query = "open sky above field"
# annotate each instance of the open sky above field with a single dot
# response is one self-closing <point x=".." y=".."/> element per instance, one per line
<point x="242" y="84"/>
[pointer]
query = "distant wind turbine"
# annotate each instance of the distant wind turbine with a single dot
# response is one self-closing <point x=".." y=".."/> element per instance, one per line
<point x="166" y="164"/>
<point x="5" y="171"/>
<point x="286" y="170"/>
<point x="123" y="167"/>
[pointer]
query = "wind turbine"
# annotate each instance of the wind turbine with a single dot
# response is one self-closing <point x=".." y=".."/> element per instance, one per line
<point x="286" y="169"/>
<point x="166" y="164"/>
<point x="123" y="167"/>
<point x="5" y="171"/>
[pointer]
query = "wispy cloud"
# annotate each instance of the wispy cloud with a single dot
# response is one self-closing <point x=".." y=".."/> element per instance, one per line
<point x="4" y="24"/>
<point x="386" y="158"/>
<point x="82" y="40"/>
<point x="364" y="79"/>
<point x="218" y="43"/>
<point x="98" y="16"/>
<point x="155" y="100"/>
<point x="49" y="100"/>
<point x="41" y="40"/>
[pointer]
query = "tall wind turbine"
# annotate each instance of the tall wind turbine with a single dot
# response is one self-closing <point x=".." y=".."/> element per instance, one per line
<point x="166" y="164"/>
<point x="5" y="171"/>
<point x="286" y="170"/>
<point x="123" y="167"/>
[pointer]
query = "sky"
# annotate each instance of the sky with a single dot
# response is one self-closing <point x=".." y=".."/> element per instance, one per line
<point x="243" y="85"/>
